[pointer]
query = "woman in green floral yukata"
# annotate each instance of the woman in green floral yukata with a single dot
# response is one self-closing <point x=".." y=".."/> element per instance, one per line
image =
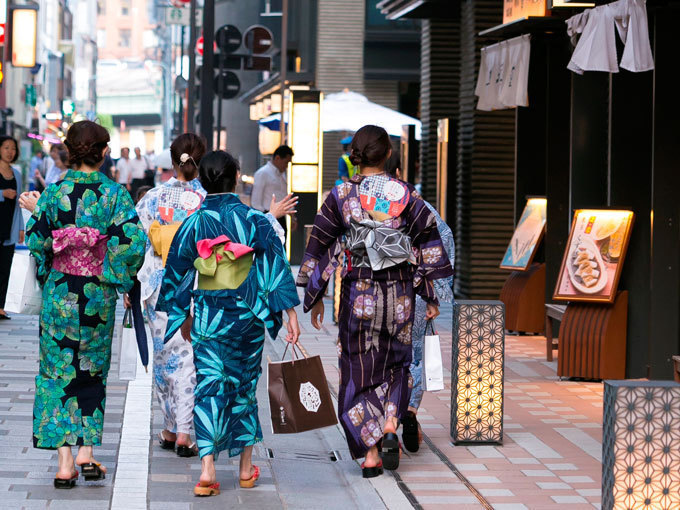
<point x="88" y="244"/>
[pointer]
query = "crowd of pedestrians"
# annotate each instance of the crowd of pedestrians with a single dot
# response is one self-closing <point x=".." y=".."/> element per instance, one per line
<point x="212" y="277"/>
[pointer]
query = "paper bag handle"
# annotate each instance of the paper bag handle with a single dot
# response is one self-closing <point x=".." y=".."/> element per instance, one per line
<point x="430" y="324"/>
<point x="293" y="354"/>
<point x="127" y="318"/>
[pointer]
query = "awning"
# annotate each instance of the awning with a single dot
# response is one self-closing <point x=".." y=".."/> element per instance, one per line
<point x="423" y="9"/>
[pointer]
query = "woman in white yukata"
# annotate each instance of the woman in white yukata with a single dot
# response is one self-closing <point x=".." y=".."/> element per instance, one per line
<point x="161" y="212"/>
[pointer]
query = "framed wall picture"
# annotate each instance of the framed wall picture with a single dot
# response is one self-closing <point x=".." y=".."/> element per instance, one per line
<point x="527" y="236"/>
<point x="592" y="262"/>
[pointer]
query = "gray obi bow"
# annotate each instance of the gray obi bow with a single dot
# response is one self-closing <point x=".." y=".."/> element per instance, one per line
<point x="378" y="246"/>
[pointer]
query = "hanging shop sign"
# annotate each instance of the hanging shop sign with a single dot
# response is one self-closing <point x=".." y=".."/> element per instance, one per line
<point x="594" y="256"/>
<point x="527" y="236"/>
<point x="24" y="35"/>
<point x="516" y="9"/>
<point x="182" y="16"/>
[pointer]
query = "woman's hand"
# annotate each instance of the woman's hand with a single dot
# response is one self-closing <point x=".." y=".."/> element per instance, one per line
<point x="126" y="301"/>
<point x="284" y="207"/>
<point x="28" y="200"/>
<point x="317" y="314"/>
<point x="293" y="327"/>
<point x="21" y="237"/>
<point x="185" y="328"/>
<point x="9" y="193"/>
<point x="432" y="311"/>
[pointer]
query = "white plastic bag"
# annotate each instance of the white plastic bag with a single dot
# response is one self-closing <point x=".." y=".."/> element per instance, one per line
<point x="433" y="368"/>
<point x="127" y="366"/>
<point x="24" y="295"/>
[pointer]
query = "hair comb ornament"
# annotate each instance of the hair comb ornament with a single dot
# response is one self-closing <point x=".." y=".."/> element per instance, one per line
<point x="184" y="158"/>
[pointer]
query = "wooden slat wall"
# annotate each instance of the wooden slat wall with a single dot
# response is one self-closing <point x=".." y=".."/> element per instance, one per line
<point x="485" y="173"/>
<point x="440" y="82"/>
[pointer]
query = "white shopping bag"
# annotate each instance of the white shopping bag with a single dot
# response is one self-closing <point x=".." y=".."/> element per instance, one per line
<point x="127" y="366"/>
<point x="433" y="368"/>
<point x="24" y="295"/>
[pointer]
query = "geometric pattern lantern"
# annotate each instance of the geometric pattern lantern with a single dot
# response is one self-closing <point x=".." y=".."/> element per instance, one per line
<point x="641" y="445"/>
<point x="477" y="372"/>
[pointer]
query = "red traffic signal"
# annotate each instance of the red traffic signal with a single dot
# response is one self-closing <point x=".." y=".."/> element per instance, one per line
<point x="199" y="45"/>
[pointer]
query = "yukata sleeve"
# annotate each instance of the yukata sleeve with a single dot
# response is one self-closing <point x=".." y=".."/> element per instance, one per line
<point x="275" y="277"/>
<point x="324" y="247"/>
<point x="178" y="280"/>
<point x="39" y="235"/>
<point x="444" y="286"/>
<point x="126" y="244"/>
<point x="432" y="261"/>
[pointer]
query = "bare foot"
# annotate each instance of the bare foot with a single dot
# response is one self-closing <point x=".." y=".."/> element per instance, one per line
<point x="67" y="469"/>
<point x="208" y="473"/>
<point x="391" y="425"/>
<point x="181" y="439"/>
<point x="85" y="456"/>
<point x="372" y="458"/>
<point x="168" y="436"/>
<point x="247" y="474"/>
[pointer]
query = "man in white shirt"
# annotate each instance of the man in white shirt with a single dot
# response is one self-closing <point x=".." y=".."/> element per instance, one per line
<point x="271" y="180"/>
<point x="123" y="169"/>
<point x="138" y="167"/>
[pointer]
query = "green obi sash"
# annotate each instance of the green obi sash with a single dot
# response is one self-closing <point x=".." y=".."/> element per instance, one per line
<point x="222" y="264"/>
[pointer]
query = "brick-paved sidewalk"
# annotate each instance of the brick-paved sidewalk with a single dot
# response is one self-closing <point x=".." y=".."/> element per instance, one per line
<point x="26" y="473"/>
<point x="549" y="459"/>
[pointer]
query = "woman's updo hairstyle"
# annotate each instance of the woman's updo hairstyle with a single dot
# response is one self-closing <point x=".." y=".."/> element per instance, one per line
<point x="217" y="172"/>
<point x="85" y="142"/>
<point x="193" y="146"/>
<point x="370" y="147"/>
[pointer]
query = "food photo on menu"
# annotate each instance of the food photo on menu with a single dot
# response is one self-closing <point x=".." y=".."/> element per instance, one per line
<point x="593" y="260"/>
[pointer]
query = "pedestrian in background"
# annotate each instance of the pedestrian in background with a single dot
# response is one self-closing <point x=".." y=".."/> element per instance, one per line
<point x="138" y="167"/>
<point x="271" y="180"/>
<point x="123" y="169"/>
<point x="244" y="285"/>
<point x="48" y="174"/>
<point x="377" y="294"/>
<point x="107" y="165"/>
<point x="346" y="169"/>
<point x="36" y="161"/>
<point x="411" y="433"/>
<point x="161" y="212"/>
<point x="88" y="245"/>
<point x="11" y="220"/>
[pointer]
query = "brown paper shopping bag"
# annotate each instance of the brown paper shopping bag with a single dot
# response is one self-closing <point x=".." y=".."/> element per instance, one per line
<point x="299" y="398"/>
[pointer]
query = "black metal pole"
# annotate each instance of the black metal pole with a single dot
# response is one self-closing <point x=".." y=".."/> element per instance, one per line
<point x="222" y="85"/>
<point x="180" y="124"/>
<point x="191" y="90"/>
<point x="207" y="76"/>
<point x="284" y="68"/>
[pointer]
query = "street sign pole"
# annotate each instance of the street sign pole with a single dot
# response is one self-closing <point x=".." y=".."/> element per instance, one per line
<point x="192" y="70"/>
<point x="284" y="68"/>
<point x="207" y="77"/>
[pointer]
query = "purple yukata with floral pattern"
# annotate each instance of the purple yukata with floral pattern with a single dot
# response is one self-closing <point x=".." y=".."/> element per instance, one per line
<point x="376" y="306"/>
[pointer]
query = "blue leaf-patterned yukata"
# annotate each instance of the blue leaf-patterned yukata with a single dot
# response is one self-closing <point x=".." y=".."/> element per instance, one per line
<point x="77" y="317"/>
<point x="229" y="325"/>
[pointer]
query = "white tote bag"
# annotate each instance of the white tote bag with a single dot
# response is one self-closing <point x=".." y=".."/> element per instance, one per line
<point x="127" y="366"/>
<point x="433" y="368"/>
<point x="24" y="295"/>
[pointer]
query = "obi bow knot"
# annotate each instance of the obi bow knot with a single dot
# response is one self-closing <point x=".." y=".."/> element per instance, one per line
<point x="79" y="251"/>
<point x="222" y="264"/>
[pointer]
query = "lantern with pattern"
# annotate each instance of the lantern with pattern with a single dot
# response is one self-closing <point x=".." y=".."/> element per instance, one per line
<point x="641" y="445"/>
<point x="477" y="372"/>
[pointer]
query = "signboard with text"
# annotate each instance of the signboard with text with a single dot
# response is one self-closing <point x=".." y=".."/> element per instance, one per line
<point x="181" y="16"/>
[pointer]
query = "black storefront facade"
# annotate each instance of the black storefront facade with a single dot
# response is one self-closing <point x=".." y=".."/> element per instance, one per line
<point x="595" y="140"/>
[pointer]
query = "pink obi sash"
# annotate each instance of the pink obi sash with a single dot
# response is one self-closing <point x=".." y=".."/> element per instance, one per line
<point x="79" y="251"/>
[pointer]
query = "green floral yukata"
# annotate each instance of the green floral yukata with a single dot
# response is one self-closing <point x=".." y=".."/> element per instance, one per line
<point x="90" y="223"/>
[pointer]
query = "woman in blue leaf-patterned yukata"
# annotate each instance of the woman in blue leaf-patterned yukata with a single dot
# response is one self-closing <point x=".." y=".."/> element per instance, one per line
<point x="244" y="285"/>
<point x="88" y="244"/>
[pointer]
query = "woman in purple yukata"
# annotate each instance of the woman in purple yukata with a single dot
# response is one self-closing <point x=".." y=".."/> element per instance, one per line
<point x="393" y="252"/>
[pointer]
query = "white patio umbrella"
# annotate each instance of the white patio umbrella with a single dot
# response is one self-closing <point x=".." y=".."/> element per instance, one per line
<point x="349" y="111"/>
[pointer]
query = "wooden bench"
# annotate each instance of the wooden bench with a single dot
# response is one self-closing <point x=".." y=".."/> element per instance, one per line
<point x="552" y="312"/>
<point x="676" y="362"/>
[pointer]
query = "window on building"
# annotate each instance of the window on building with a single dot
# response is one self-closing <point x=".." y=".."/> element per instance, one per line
<point x="124" y="38"/>
<point x="125" y="7"/>
<point x="101" y="38"/>
<point x="101" y="7"/>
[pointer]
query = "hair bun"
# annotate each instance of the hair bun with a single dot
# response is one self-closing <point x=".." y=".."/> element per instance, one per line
<point x="355" y="157"/>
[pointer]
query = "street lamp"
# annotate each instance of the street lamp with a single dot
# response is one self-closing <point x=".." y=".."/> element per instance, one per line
<point x="24" y="34"/>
